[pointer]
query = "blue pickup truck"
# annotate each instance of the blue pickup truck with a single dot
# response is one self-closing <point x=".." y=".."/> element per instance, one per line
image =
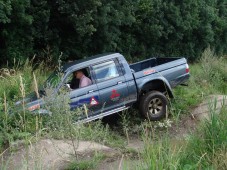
<point x="116" y="85"/>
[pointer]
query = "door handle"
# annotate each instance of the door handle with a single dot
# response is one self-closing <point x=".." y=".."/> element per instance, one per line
<point x="120" y="82"/>
<point x="90" y="91"/>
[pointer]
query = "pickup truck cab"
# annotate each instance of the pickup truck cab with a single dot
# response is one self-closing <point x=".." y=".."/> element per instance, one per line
<point x="116" y="85"/>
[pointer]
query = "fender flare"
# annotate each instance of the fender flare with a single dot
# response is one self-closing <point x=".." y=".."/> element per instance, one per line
<point x="159" y="79"/>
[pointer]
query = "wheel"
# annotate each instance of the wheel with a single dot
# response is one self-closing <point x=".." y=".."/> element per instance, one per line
<point x="154" y="105"/>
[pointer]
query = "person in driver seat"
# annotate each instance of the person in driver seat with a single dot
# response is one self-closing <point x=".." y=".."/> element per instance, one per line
<point x="79" y="80"/>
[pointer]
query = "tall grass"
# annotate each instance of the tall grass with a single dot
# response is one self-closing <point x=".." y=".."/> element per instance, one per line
<point x="159" y="154"/>
<point x="207" y="148"/>
<point x="15" y="87"/>
<point x="213" y="73"/>
<point x="10" y="83"/>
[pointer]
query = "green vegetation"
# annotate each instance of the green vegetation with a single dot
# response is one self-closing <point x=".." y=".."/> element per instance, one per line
<point x="135" y="28"/>
<point x="86" y="164"/>
<point x="207" y="148"/>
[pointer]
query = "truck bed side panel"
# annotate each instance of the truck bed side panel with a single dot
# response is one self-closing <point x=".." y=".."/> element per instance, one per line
<point x="172" y="73"/>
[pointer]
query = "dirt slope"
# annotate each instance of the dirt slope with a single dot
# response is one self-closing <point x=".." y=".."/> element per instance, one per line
<point x="51" y="154"/>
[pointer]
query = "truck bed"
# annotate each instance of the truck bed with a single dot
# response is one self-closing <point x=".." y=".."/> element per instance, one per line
<point x="172" y="69"/>
<point x="149" y="63"/>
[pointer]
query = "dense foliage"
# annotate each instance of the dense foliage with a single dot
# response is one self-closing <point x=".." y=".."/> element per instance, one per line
<point x="134" y="28"/>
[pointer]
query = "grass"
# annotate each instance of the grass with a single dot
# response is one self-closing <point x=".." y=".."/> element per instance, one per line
<point x="10" y="84"/>
<point x="159" y="155"/>
<point x="86" y="164"/>
<point x="205" y="149"/>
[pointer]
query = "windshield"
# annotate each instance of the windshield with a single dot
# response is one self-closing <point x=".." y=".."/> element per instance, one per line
<point x="53" y="80"/>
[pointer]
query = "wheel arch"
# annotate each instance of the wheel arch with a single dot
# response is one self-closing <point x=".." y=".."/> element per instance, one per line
<point x="160" y="85"/>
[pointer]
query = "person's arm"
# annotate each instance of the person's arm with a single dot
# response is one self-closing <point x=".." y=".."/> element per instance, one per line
<point x="85" y="82"/>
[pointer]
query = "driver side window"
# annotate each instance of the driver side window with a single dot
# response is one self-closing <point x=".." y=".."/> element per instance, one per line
<point x="79" y="79"/>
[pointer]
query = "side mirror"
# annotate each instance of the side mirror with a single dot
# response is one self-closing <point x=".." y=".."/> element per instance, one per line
<point x="65" y="88"/>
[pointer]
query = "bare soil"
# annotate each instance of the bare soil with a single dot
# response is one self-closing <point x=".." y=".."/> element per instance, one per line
<point x="51" y="154"/>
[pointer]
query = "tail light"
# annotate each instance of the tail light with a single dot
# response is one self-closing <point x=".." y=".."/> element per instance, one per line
<point x="187" y="68"/>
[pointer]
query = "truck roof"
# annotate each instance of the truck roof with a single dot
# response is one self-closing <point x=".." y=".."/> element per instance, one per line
<point x="91" y="59"/>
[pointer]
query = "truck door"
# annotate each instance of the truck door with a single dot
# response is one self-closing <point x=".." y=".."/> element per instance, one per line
<point x="84" y="96"/>
<point x="111" y="84"/>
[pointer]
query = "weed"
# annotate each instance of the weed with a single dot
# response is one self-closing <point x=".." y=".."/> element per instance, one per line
<point x="125" y="124"/>
<point x="158" y="154"/>
<point x="86" y="164"/>
<point x="213" y="71"/>
<point x="204" y="147"/>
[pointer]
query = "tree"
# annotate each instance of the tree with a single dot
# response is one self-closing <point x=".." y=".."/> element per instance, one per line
<point x="134" y="28"/>
<point x="16" y="35"/>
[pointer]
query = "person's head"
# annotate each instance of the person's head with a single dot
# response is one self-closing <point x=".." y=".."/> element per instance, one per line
<point x="78" y="74"/>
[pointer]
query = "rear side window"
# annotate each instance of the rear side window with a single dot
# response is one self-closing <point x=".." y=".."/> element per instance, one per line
<point x="105" y="71"/>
